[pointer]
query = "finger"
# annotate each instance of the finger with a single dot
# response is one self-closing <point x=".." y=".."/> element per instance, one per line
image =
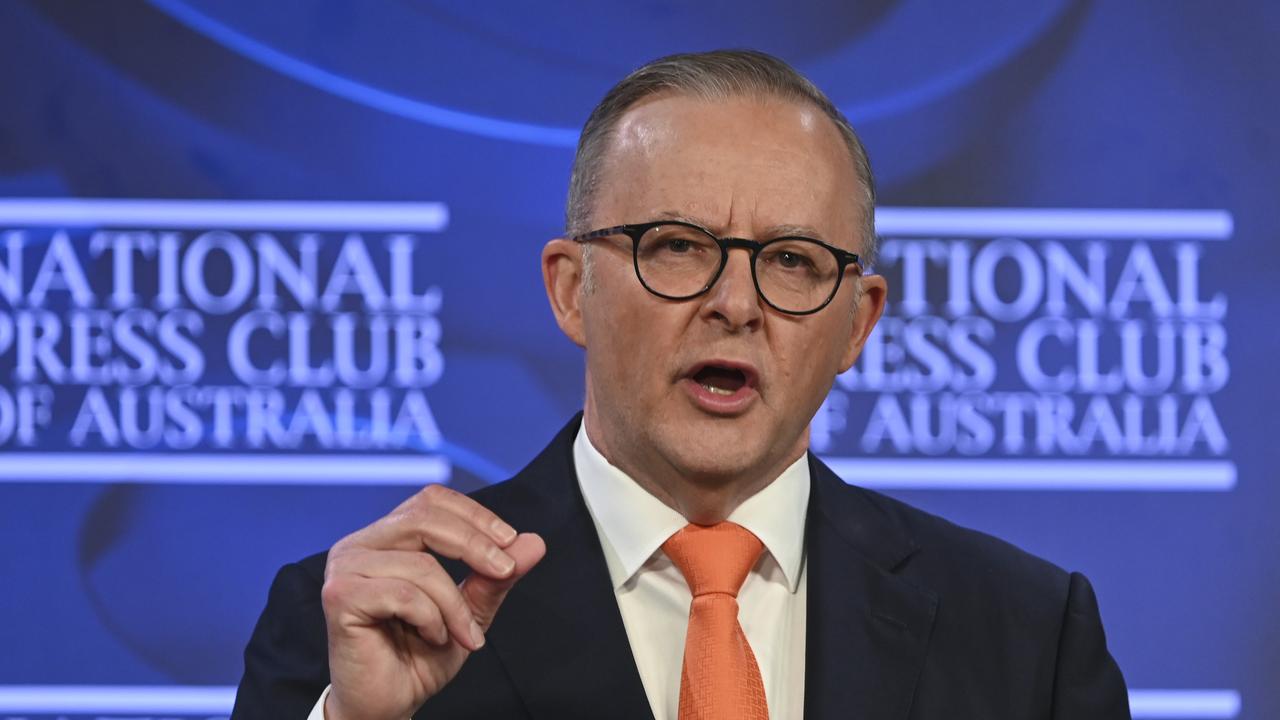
<point x="485" y="595"/>
<point x="465" y="507"/>
<point x="480" y="516"/>
<point x="424" y="571"/>
<point x="361" y="601"/>
<point x="440" y="531"/>
<point x="437" y="528"/>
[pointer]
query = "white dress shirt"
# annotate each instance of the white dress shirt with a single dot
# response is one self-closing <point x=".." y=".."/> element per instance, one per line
<point x="654" y="599"/>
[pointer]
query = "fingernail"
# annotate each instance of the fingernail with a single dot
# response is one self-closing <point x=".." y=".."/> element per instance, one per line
<point x="505" y="532"/>
<point x="501" y="561"/>
<point x="477" y="635"/>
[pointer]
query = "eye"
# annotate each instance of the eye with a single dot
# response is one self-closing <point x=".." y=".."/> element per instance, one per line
<point x="678" y="245"/>
<point x="681" y="243"/>
<point x="674" y="243"/>
<point x="793" y="260"/>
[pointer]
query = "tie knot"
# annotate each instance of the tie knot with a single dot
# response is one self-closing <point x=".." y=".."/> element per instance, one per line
<point x="714" y="558"/>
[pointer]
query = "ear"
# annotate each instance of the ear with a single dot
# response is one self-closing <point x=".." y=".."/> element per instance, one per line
<point x="562" y="275"/>
<point x="865" y="317"/>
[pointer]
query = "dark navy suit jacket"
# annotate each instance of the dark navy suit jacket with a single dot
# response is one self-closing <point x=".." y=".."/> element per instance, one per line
<point x="909" y="616"/>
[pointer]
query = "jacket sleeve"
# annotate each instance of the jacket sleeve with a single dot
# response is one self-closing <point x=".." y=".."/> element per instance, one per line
<point x="1088" y="684"/>
<point x="286" y="664"/>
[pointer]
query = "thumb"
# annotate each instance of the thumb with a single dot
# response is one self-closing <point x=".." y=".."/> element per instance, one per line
<point x="485" y="595"/>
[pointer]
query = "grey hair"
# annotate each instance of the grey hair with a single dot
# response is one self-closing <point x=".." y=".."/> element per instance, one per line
<point x="711" y="75"/>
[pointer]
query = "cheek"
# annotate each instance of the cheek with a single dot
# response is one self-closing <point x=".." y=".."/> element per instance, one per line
<point x="619" y="344"/>
<point x="813" y="359"/>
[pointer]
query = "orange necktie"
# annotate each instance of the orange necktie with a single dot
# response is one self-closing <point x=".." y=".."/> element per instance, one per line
<point x="720" y="679"/>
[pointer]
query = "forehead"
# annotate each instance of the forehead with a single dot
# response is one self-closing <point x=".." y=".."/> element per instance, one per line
<point x="738" y="164"/>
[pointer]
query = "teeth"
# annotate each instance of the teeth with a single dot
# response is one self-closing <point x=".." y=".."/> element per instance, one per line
<point x="716" y="390"/>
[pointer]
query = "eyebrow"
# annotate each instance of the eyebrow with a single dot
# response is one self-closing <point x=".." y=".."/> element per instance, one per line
<point x="785" y="230"/>
<point x="775" y="231"/>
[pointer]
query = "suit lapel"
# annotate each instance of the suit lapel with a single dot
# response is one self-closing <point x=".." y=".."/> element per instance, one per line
<point x="559" y="634"/>
<point x="867" y="628"/>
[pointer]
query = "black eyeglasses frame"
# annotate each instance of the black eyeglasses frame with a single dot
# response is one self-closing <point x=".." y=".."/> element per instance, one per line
<point x="635" y="231"/>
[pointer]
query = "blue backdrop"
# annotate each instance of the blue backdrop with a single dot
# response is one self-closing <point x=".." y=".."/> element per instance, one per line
<point x="267" y="267"/>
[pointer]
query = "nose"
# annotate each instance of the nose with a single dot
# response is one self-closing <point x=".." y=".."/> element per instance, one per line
<point x="733" y="300"/>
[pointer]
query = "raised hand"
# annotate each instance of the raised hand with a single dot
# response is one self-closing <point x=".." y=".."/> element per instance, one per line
<point x="399" y="628"/>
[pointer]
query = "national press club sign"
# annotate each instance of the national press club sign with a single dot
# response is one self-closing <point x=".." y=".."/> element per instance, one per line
<point x="221" y="341"/>
<point x="1040" y="349"/>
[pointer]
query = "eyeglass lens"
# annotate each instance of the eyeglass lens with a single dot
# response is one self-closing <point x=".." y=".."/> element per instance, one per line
<point x="793" y="274"/>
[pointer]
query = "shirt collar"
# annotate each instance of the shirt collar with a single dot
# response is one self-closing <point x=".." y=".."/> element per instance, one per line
<point x="633" y="524"/>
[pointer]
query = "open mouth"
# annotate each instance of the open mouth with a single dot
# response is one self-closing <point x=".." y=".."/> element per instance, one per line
<point x="722" y="387"/>
<point x="720" y="380"/>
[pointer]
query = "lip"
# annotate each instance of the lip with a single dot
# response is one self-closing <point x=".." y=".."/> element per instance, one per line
<point x="726" y="405"/>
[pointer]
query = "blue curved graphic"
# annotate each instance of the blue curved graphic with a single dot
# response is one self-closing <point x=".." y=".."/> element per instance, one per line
<point x="947" y="83"/>
<point x="918" y="94"/>
<point x="364" y="94"/>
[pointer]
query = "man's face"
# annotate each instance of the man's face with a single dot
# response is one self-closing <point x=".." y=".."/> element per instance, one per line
<point x="658" y="370"/>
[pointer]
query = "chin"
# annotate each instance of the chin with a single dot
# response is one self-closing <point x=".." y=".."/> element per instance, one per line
<point x="714" y="458"/>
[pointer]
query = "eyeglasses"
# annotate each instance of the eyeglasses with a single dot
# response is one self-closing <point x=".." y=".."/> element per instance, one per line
<point x="678" y="261"/>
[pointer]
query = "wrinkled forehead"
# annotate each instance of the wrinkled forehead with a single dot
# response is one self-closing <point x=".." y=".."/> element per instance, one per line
<point x="739" y="164"/>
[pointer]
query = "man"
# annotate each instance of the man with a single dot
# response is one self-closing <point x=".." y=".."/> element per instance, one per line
<point x="680" y="554"/>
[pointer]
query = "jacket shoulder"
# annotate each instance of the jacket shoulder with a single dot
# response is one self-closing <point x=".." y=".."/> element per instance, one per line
<point x="964" y="564"/>
<point x="286" y="664"/>
<point x="1012" y="631"/>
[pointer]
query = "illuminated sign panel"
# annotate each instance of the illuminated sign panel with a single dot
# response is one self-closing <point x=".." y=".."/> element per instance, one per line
<point x="218" y="328"/>
<point x="1019" y="342"/>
